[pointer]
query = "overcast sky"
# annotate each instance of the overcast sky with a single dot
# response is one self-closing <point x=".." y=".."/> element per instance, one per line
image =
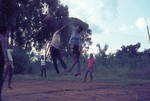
<point x="113" y="22"/>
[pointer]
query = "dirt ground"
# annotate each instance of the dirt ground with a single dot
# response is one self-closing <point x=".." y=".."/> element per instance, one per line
<point x="45" y="90"/>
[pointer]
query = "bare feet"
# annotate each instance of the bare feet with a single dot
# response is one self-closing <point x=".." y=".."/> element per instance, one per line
<point x="68" y="70"/>
<point x="77" y="74"/>
<point x="10" y="87"/>
<point x="65" y="69"/>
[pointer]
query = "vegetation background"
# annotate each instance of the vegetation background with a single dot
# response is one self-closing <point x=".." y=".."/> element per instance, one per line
<point x="30" y="34"/>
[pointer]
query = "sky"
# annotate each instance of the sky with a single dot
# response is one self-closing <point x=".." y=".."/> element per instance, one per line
<point x="113" y="22"/>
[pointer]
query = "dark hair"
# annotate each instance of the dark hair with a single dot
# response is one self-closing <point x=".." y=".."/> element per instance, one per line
<point x="91" y="55"/>
<point x="3" y="29"/>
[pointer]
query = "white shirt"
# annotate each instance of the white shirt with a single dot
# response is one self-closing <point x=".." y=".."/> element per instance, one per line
<point x="56" y="40"/>
<point x="43" y="62"/>
<point x="9" y="52"/>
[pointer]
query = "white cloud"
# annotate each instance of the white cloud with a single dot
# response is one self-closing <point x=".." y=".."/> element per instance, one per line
<point x="140" y="23"/>
<point x="125" y="27"/>
<point x="94" y="12"/>
<point x="103" y="17"/>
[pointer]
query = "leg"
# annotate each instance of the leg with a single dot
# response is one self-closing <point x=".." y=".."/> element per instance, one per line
<point x="12" y="65"/>
<point x="73" y="64"/>
<point x="1" y="81"/>
<point x="5" y="72"/>
<point x="4" y="76"/>
<point x="91" y="76"/>
<point x="55" y="65"/>
<point x="41" y="72"/>
<point x="1" y="75"/>
<point x="78" y="65"/>
<point x="45" y="72"/>
<point x="61" y="61"/>
<point x="54" y="53"/>
<point x="86" y="73"/>
<point x="10" y="77"/>
<point x="75" y="51"/>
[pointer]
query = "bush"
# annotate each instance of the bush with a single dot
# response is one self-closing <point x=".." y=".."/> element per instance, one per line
<point x="23" y="62"/>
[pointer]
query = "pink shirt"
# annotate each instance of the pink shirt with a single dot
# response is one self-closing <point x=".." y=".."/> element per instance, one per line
<point x="90" y="63"/>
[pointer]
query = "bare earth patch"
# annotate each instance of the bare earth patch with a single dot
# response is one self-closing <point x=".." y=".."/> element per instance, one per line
<point x="44" y="90"/>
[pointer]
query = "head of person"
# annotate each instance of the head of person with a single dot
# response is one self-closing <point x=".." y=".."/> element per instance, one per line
<point x="91" y="55"/>
<point x="79" y="29"/>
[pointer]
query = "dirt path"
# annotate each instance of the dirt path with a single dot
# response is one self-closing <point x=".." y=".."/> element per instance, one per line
<point x="42" y="90"/>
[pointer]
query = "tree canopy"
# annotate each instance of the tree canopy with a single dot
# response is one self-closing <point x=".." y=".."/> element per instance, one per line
<point x="25" y="19"/>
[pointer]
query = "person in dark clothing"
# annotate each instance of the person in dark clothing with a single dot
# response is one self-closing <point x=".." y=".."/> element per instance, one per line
<point x="55" y="52"/>
<point x="3" y="54"/>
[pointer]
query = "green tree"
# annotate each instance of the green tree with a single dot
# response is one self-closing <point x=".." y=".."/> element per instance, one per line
<point x="130" y="50"/>
<point x="29" y="29"/>
<point x="102" y="52"/>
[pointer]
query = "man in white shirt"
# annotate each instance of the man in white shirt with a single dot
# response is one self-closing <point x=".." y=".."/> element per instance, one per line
<point x="55" y="52"/>
<point x="43" y="67"/>
<point x="9" y="67"/>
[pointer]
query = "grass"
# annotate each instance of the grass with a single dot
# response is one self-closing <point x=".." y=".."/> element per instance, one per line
<point x="118" y="76"/>
<point x="122" y="76"/>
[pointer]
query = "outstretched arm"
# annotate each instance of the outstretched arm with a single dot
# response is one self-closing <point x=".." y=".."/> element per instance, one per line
<point x="62" y="28"/>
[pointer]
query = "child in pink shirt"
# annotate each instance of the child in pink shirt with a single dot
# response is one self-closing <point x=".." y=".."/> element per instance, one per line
<point x="90" y="65"/>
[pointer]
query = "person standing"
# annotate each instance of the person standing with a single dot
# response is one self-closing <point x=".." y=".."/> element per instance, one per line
<point x="43" y="67"/>
<point x="76" y="41"/>
<point x="9" y="67"/>
<point x="90" y="65"/>
<point x="55" y="52"/>
<point x="3" y="54"/>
